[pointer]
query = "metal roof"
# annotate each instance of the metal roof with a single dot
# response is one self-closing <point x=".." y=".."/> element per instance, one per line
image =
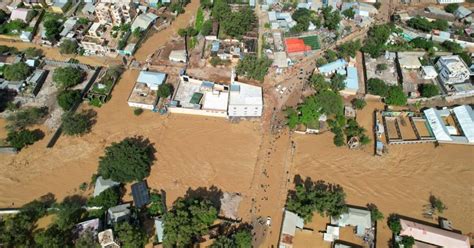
<point x="102" y="184"/>
<point x="352" y="80"/>
<point x="465" y="117"/>
<point x="151" y="78"/>
<point x="140" y="194"/>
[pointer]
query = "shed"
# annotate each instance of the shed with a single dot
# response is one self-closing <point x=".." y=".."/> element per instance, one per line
<point x="359" y="218"/>
<point x="118" y="213"/>
<point x="102" y="184"/>
<point x="280" y="60"/>
<point x="408" y="61"/>
<point x="141" y="196"/>
<point x="159" y="230"/>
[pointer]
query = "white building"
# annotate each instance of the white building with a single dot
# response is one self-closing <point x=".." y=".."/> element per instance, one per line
<point x="113" y="14"/>
<point x="428" y="72"/>
<point x="144" y="93"/>
<point x="144" y="21"/>
<point x="444" y="131"/>
<point x="245" y="100"/>
<point x="452" y="70"/>
<point x="291" y="222"/>
<point x="450" y="1"/>
<point x="178" y="56"/>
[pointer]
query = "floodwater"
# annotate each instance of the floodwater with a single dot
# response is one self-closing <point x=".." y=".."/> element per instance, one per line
<point x="399" y="182"/>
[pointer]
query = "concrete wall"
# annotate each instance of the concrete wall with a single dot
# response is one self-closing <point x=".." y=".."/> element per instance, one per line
<point x="141" y="105"/>
<point x="200" y="112"/>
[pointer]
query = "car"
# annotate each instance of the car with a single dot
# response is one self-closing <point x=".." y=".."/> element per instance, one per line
<point x="269" y="221"/>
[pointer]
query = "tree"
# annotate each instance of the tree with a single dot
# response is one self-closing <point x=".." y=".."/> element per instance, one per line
<point x="206" y="28"/>
<point x="253" y="67"/>
<point x="66" y="77"/>
<point x="330" y="102"/>
<point x="349" y="49"/>
<point x="3" y="16"/>
<point x="393" y="223"/>
<point x="331" y="18"/>
<point x="321" y="61"/>
<point x="377" y="5"/>
<point x="220" y="10"/>
<point x="358" y="103"/>
<point x="451" y="8"/>
<point x="338" y="138"/>
<point x="127" y="160"/>
<point x="26" y="117"/>
<point x="222" y="241"/>
<point x="52" y="27"/>
<point x="292" y="118"/>
<point x="77" y="124"/>
<point x="68" y="47"/>
<point x="337" y="82"/>
<point x="242" y="238"/>
<point x="422" y="43"/>
<point x="53" y="237"/>
<point x="326" y="199"/>
<point x="32" y="52"/>
<point x="68" y="213"/>
<point x="428" y="90"/>
<point x="137" y="33"/>
<point x="138" y="111"/>
<point x="156" y="207"/>
<point x="407" y="241"/>
<point x="22" y="138"/>
<point x="375" y="213"/>
<point x="382" y="67"/>
<point x="396" y="96"/>
<point x="318" y="82"/>
<point x="452" y="46"/>
<point x="331" y="55"/>
<point x="377" y="37"/>
<point x="16" y="72"/>
<point x="188" y="219"/>
<point x="437" y="204"/>
<point x="236" y="24"/>
<point x="87" y="240"/>
<point x="67" y="98"/>
<point x="106" y="199"/>
<point x="349" y="13"/>
<point x="130" y="236"/>
<point x="377" y="87"/>
<point x="165" y="90"/>
<point x="466" y="57"/>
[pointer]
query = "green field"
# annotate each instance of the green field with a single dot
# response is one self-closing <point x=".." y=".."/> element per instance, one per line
<point x="312" y="41"/>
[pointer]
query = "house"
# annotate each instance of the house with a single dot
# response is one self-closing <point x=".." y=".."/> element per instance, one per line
<point x="179" y="56"/>
<point x="21" y="14"/>
<point x="144" y="94"/>
<point x="118" y="213"/>
<point x="462" y="12"/>
<point x="452" y="70"/>
<point x="143" y="21"/>
<point x="115" y="13"/>
<point x="291" y="222"/>
<point x="140" y="194"/>
<point x="88" y="225"/>
<point x="26" y="36"/>
<point x="428" y="72"/>
<point x="245" y="100"/>
<point x="159" y="230"/>
<point x="88" y="10"/>
<point x="128" y="50"/>
<point x="408" y="61"/>
<point x="36" y="80"/>
<point x="60" y="6"/>
<point x="332" y="67"/>
<point x="442" y="124"/>
<point x="106" y="239"/>
<point x="450" y="1"/>
<point x="68" y="26"/>
<point x="102" y="184"/>
<point x="280" y="60"/>
<point x="358" y="218"/>
<point x="429" y="236"/>
<point x="351" y="81"/>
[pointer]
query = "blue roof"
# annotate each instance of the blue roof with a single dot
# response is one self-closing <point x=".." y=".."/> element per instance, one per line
<point x="352" y="80"/>
<point x="140" y="194"/>
<point x="333" y="66"/>
<point x="215" y="46"/>
<point x="151" y="78"/>
<point x="159" y="230"/>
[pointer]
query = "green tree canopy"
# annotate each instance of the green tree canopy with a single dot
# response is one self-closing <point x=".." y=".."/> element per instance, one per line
<point x="165" y="90"/>
<point x="66" y="77"/>
<point x="52" y="237"/>
<point x="358" y="103"/>
<point x="87" y="240"/>
<point x="130" y="236"/>
<point x="33" y="52"/>
<point x="451" y="8"/>
<point x="428" y="90"/>
<point x="331" y="18"/>
<point x="376" y="39"/>
<point x="16" y="72"/>
<point x="52" y="27"/>
<point x="319" y="82"/>
<point x="377" y="86"/>
<point x="22" y="138"/>
<point x="67" y="98"/>
<point x="188" y="219"/>
<point x="396" y="96"/>
<point x="77" y="123"/>
<point x="349" y="13"/>
<point x="425" y="25"/>
<point x="349" y="49"/>
<point x="393" y="223"/>
<point x="337" y="82"/>
<point x="69" y="212"/>
<point x="68" y="47"/>
<point x="126" y="161"/>
<point x="330" y="102"/>
<point x="236" y="24"/>
<point x="26" y="117"/>
<point x="326" y="199"/>
<point x="106" y="199"/>
<point x="452" y="46"/>
<point x="206" y="28"/>
<point x="253" y="67"/>
<point x="156" y="207"/>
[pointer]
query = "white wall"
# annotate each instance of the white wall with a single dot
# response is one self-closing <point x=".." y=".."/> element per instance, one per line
<point x="245" y="110"/>
<point x="141" y="105"/>
<point x="201" y="112"/>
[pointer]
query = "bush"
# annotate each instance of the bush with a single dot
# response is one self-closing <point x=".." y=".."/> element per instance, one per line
<point x="359" y="103"/>
<point x="375" y="213"/>
<point x="26" y="117"/>
<point x="437" y="204"/>
<point x="206" y="28"/>
<point x="156" y="207"/>
<point x="428" y="90"/>
<point x="396" y="96"/>
<point x="68" y="47"/>
<point x="67" y="98"/>
<point x="451" y="8"/>
<point x="393" y="223"/>
<point x="66" y="77"/>
<point x="22" y="138"/>
<point x="377" y="87"/>
<point x="127" y="161"/>
<point x="77" y="124"/>
<point x="407" y="241"/>
<point x="16" y="72"/>
<point x="165" y="90"/>
<point x="138" y="111"/>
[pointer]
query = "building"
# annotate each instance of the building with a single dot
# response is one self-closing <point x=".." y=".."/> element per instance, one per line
<point x="88" y="225"/>
<point x="113" y="13"/>
<point x="159" y="230"/>
<point x="291" y="222"/>
<point x="106" y="239"/>
<point x="144" y="21"/>
<point x="454" y="125"/>
<point x="408" y="61"/>
<point x="118" y="213"/>
<point x="144" y="94"/>
<point x="358" y="218"/>
<point x="35" y="81"/>
<point x="452" y="70"/>
<point x="60" y="6"/>
<point x="245" y="100"/>
<point x="462" y="12"/>
<point x="450" y="1"/>
<point x="351" y="81"/>
<point x="332" y="67"/>
<point x="140" y="194"/>
<point x="21" y="14"/>
<point x="68" y="26"/>
<point x="32" y="3"/>
<point x="428" y="72"/>
<point x="179" y="56"/>
<point x="102" y="184"/>
<point x="280" y="60"/>
<point x="429" y="236"/>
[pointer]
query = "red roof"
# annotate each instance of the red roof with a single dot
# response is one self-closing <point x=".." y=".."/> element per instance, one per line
<point x="294" y="45"/>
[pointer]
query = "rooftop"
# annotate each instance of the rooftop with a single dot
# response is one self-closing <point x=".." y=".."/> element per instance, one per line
<point x="102" y="184"/>
<point x="352" y="79"/>
<point x="291" y="221"/>
<point x="360" y="218"/>
<point x="245" y="94"/>
<point x="333" y="66"/>
<point x="140" y="194"/>
<point x="143" y="21"/>
<point x="433" y="235"/>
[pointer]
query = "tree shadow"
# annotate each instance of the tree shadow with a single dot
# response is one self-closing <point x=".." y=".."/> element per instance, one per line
<point x="212" y="194"/>
<point x="6" y="97"/>
<point x="38" y="133"/>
